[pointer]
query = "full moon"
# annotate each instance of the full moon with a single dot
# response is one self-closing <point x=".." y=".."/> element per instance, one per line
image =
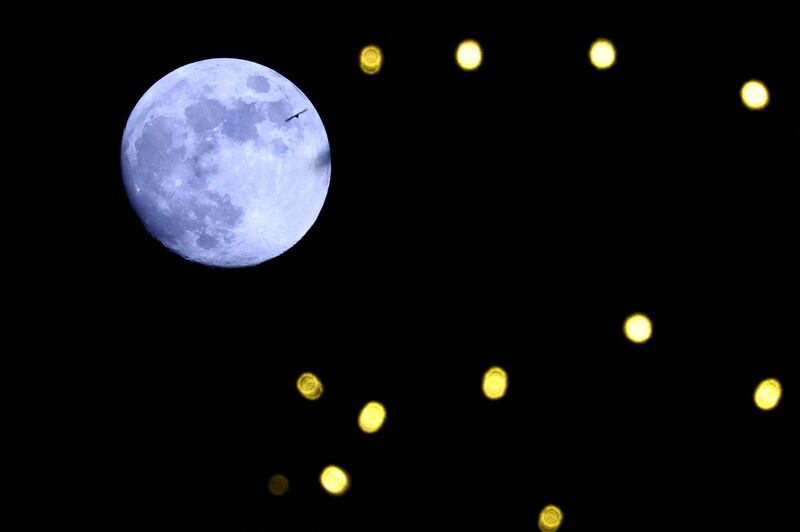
<point x="226" y="162"/>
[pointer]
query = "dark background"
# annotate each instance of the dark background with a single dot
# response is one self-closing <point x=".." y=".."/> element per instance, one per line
<point x="514" y="215"/>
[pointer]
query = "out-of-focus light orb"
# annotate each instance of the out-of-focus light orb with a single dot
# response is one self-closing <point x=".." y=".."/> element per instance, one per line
<point x="335" y="480"/>
<point x="768" y="394"/>
<point x="278" y="485"/>
<point x="638" y="328"/>
<point x="372" y="417"/>
<point x="309" y="386"/>
<point x="550" y="518"/>
<point x="469" y="55"/>
<point x="495" y="382"/>
<point x="371" y="59"/>
<point x="602" y="54"/>
<point x="755" y="95"/>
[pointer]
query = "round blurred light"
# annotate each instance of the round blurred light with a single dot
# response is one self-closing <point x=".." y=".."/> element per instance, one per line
<point x="278" y="485"/>
<point x="371" y="59"/>
<point x="469" y="54"/>
<point x="372" y="417"/>
<point x="309" y="386"/>
<point x="550" y="518"/>
<point x="768" y="394"/>
<point x="495" y="382"/>
<point x="638" y="328"/>
<point x="335" y="480"/>
<point x="602" y="54"/>
<point x="755" y="95"/>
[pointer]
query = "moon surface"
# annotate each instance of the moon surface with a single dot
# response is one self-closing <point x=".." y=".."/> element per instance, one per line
<point x="217" y="166"/>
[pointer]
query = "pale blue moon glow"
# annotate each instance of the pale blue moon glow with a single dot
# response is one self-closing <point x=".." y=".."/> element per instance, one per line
<point x="215" y="171"/>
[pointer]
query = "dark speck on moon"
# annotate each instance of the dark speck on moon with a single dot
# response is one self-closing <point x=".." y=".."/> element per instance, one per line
<point x="240" y="122"/>
<point x="205" y="115"/>
<point x="258" y="83"/>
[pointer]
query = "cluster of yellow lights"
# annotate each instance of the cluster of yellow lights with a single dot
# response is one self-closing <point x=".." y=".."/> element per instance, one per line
<point x="602" y="54"/>
<point x="278" y="485"/>
<point x="372" y="417"/>
<point x="469" y="55"/>
<point x="550" y="518"/>
<point x="638" y="328"/>
<point x="755" y="95"/>
<point x="309" y="386"/>
<point x="768" y="394"/>
<point x="370" y="59"/>
<point x="495" y="382"/>
<point x="335" y="480"/>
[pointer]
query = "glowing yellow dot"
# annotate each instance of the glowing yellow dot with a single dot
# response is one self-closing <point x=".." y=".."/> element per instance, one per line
<point x="755" y="95"/>
<point x="495" y="383"/>
<point x="550" y="518"/>
<point x="371" y="59"/>
<point x="335" y="480"/>
<point x="372" y="417"/>
<point x="768" y="394"/>
<point x="278" y="485"/>
<point x="638" y="328"/>
<point x="309" y="386"/>
<point x="602" y="54"/>
<point x="469" y="54"/>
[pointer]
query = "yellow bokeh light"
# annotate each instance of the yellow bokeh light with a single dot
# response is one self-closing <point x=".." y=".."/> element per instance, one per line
<point x="638" y="328"/>
<point x="550" y="518"/>
<point x="602" y="54"/>
<point x="372" y="417"/>
<point x="335" y="480"/>
<point x="278" y="485"/>
<point x="469" y="54"/>
<point x="495" y="382"/>
<point x="768" y="394"/>
<point x="755" y="95"/>
<point x="371" y="59"/>
<point x="309" y="386"/>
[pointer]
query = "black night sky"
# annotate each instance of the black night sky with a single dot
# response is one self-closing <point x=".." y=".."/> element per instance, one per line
<point x="511" y="216"/>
